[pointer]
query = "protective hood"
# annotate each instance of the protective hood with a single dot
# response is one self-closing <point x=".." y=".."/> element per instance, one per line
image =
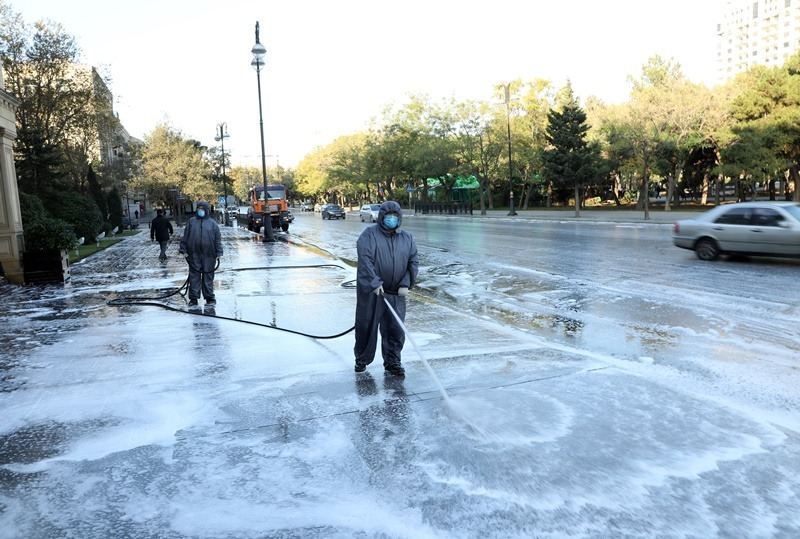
<point x="387" y="207"/>
<point x="206" y="206"/>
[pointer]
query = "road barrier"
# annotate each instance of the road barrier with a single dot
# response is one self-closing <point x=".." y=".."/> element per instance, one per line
<point x="447" y="208"/>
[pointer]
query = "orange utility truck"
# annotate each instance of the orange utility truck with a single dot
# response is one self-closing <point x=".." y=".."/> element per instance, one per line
<point x="279" y="215"/>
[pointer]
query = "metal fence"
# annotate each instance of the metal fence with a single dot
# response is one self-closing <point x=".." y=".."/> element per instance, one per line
<point x="445" y="208"/>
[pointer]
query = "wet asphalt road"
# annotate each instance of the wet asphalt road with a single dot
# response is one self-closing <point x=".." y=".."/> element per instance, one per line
<point x="622" y="282"/>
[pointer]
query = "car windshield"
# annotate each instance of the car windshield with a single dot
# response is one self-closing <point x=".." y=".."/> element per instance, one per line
<point x="333" y="207"/>
<point x="794" y="210"/>
<point x="375" y="207"/>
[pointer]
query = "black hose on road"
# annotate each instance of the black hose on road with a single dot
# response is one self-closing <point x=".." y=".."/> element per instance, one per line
<point x="153" y="301"/>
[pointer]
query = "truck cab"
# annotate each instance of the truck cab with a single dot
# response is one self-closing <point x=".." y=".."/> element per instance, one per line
<point x="277" y="208"/>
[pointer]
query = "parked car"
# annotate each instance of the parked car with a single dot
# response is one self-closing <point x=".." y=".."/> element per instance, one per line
<point x="369" y="212"/>
<point x="306" y="206"/>
<point x="748" y="228"/>
<point x="332" y="211"/>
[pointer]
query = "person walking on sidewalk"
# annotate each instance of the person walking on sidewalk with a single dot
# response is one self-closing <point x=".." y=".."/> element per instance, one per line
<point x="160" y="231"/>
<point x="387" y="269"/>
<point x="202" y="245"/>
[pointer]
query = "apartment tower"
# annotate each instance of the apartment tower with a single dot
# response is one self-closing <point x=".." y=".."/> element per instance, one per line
<point x="751" y="32"/>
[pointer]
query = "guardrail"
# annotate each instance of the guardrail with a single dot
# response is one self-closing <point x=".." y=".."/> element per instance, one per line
<point x="444" y="208"/>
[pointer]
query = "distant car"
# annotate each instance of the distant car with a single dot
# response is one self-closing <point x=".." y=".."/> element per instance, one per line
<point x="748" y="228"/>
<point x="306" y="206"/>
<point x="290" y="216"/>
<point x="369" y="212"/>
<point x="332" y="211"/>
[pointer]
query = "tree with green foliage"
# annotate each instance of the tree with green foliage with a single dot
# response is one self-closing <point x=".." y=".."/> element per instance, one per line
<point x="114" y="203"/>
<point x="766" y="126"/>
<point x="96" y="191"/>
<point x="570" y="160"/>
<point x="56" y="120"/>
<point x="170" y="161"/>
<point x="242" y="179"/>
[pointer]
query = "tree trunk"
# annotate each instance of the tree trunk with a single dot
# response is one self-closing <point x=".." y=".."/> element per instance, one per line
<point x="490" y="195"/>
<point x="577" y="200"/>
<point x="483" y="183"/>
<point x="794" y="177"/>
<point x="670" y="191"/>
<point x="739" y="190"/>
<point x="615" y="190"/>
<point x="644" y="191"/>
<point x="720" y="180"/>
<point x="549" y="193"/>
<point x="704" y="194"/>
<point x="771" y="189"/>
<point x="527" y="197"/>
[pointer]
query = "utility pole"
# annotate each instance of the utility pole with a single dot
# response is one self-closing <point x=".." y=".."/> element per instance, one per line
<point x="507" y="88"/>
<point x="222" y="134"/>
<point x="259" y="51"/>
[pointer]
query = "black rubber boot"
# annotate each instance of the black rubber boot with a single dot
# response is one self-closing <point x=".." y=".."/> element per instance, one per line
<point x="360" y="368"/>
<point x="396" y="370"/>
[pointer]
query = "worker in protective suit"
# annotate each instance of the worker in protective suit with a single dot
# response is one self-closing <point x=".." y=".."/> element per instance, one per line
<point x="387" y="269"/>
<point x="202" y="245"/>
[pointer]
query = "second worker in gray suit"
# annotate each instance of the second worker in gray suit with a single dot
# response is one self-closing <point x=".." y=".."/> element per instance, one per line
<point x="202" y="245"/>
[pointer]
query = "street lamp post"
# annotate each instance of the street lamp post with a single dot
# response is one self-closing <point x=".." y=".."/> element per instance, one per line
<point x="259" y="51"/>
<point x="507" y="89"/>
<point x="222" y="134"/>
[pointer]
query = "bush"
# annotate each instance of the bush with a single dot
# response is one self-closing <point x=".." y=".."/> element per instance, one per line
<point x="43" y="232"/>
<point x="80" y="211"/>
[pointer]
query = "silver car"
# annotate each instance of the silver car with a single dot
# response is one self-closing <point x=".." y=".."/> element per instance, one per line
<point x="369" y="212"/>
<point x="748" y="228"/>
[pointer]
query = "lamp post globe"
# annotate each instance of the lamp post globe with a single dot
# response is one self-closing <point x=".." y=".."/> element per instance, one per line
<point x="259" y="52"/>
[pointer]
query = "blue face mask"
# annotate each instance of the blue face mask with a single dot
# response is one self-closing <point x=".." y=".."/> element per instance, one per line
<point x="201" y="213"/>
<point x="391" y="221"/>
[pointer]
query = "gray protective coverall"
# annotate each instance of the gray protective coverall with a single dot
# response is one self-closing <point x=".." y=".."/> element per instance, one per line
<point x="386" y="258"/>
<point x="202" y="245"/>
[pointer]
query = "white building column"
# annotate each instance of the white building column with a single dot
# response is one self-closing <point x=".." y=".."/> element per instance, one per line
<point x="11" y="242"/>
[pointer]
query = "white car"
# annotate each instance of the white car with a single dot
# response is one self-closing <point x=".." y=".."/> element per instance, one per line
<point x="748" y="228"/>
<point x="369" y="212"/>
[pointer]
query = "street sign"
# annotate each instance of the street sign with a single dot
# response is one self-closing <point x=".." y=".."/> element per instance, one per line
<point x="410" y="188"/>
<point x="221" y="201"/>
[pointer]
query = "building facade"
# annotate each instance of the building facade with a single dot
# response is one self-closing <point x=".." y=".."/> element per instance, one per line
<point x="11" y="237"/>
<point x="756" y="32"/>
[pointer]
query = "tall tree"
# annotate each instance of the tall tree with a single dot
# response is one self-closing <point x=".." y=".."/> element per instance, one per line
<point x="569" y="160"/>
<point x="56" y="112"/>
<point x="170" y="161"/>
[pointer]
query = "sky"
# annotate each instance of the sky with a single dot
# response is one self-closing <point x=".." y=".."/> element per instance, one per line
<point x="332" y="67"/>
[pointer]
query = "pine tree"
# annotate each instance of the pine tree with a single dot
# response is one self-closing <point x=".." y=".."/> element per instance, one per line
<point x="570" y="161"/>
<point x="97" y="193"/>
